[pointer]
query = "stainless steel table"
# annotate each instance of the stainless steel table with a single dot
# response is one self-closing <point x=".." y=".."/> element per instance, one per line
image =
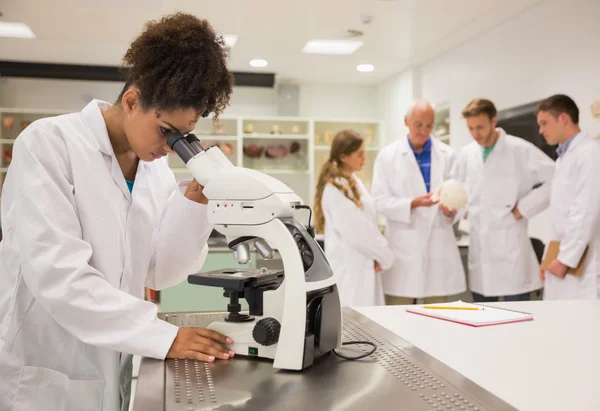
<point x="398" y="376"/>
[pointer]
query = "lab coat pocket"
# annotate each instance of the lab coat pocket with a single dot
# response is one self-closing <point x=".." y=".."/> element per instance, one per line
<point x="45" y="389"/>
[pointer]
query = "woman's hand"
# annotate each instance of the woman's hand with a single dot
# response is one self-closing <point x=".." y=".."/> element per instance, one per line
<point x="194" y="192"/>
<point x="200" y="344"/>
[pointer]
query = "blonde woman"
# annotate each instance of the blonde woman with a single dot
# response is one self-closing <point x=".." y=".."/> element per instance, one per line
<point x="355" y="248"/>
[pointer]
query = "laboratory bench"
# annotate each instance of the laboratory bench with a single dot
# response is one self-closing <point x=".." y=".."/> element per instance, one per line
<point x="421" y="363"/>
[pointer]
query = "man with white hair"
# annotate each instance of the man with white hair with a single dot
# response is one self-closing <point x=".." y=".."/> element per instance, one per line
<point x="428" y="264"/>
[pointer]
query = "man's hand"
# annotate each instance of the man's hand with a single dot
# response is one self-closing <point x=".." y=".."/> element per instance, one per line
<point x="558" y="269"/>
<point x="542" y="274"/>
<point x="194" y="192"/>
<point x="422" y="201"/>
<point x="447" y="211"/>
<point x="377" y="267"/>
<point x="200" y="344"/>
<point x="517" y="213"/>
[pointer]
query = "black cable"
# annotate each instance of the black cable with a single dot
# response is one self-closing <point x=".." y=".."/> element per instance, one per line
<point x="357" y="343"/>
<point x="309" y="228"/>
<point x="306" y="207"/>
<point x="344" y="357"/>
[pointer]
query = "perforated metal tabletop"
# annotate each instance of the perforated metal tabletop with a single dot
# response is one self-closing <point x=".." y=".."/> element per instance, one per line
<point x="398" y="376"/>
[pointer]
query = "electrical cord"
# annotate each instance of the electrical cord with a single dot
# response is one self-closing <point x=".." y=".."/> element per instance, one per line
<point x="374" y="348"/>
<point x="345" y="357"/>
<point x="309" y="228"/>
<point x="318" y="313"/>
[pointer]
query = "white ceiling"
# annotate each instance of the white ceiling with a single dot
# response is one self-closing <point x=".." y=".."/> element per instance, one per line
<point x="401" y="32"/>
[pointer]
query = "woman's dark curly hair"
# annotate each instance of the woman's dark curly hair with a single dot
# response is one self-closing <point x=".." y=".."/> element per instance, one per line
<point x="179" y="62"/>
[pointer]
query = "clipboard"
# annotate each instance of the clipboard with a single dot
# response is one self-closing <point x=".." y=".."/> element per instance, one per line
<point x="552" y="253"/>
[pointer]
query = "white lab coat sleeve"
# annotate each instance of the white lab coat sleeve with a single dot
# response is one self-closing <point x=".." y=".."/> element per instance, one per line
<point x="181" y="243"/>
<point x="54" y="259"/>
<point x="355" y="227"/>
<point x="584" y="212"/>
<point x="386" y="203"/>
<point x="541" y="169"/>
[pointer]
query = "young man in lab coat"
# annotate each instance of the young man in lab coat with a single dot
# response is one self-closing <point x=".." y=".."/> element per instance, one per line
<point x="406" y="172"/>
<point x="574" y="202"/>
<point x="499" y="172"/>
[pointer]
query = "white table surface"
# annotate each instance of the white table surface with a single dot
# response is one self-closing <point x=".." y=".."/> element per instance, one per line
<point x="550" y="363"/>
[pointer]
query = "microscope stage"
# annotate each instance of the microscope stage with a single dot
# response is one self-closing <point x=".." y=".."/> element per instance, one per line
<point x="238" y="279"/>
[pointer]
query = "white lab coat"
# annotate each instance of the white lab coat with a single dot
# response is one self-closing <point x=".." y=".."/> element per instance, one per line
<point x="501" y="258"/>
<point x="352" y="243"/>
<point x="575" y="214"/>
<point x="428" y="262"/>
<point x="78" y="250"/>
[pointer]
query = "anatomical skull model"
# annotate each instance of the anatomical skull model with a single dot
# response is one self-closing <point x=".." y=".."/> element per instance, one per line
<point x="451" y="194"/>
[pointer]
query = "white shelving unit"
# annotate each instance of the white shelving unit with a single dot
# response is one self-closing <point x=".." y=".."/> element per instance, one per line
<point x="281" y="147"/>
<point x="327" y="148"/>
<point x="325" y="130"/>
<point x="277" y="136"/>
<point x="291" y="149"/>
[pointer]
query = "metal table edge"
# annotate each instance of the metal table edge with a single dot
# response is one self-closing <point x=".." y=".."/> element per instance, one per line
<point x="446" y="372"/>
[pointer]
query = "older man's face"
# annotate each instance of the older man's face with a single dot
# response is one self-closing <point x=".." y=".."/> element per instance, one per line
<point x="420" y="125"/>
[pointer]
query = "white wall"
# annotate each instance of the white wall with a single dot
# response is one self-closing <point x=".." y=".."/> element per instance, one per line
<point x="54" y="94"/>
<point x="551" y="48"/>
<point x="394" y="96"/>
<point x="339" y="101"/>
<point x="69" y="95"/>
<point x="316" y="100"/>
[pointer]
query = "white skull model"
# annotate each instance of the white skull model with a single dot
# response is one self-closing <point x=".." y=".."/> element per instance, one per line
<point x="451" y="194"/>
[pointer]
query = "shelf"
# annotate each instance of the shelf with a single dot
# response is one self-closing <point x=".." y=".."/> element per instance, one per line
<point x="327" y="148"/>
<point x="286" y="119"/>
<point x="278" y="136"/>
<point x="3" y="170"/>
<point x="33" y="111"/>
<point x="7" y="141"/>
<point x="345" y="120"/>
<point x="211" y="137"/>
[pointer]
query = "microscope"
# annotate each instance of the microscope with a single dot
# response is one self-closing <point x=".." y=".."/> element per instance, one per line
<point x="295" y="314"/>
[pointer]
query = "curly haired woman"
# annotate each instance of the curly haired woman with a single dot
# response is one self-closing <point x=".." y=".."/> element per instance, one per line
<point x="355" y="248"/>
<point x="92" y="214"/>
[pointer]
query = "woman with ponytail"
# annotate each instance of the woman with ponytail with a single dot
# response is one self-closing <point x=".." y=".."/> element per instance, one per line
<point x="355" y="248"/>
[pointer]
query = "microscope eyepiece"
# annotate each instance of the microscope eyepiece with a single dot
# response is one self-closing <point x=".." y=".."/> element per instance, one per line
<point x="186" y="147"/>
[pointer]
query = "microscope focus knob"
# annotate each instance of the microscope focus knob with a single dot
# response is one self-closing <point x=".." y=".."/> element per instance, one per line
<point x="266" y="331"/>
